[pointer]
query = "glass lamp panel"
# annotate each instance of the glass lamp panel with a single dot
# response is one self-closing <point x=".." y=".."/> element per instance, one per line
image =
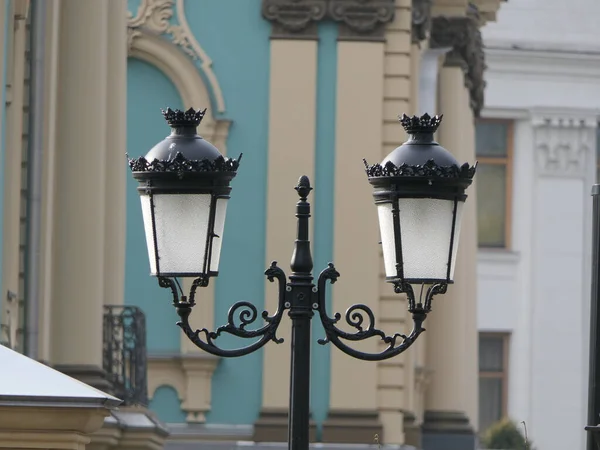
<point x="181" y="230"/>
<point x="426" y="229"/>
<point x="388" y="243"/>
<point x="147" y="217"/>
<point x="220" y="213"/>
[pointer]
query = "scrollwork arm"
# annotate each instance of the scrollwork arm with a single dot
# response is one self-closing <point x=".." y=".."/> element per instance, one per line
<point x="361" y="318"/>
<point x="241" y="315"/>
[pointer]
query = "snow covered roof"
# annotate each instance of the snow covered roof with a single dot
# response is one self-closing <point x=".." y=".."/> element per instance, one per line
<point x="26" y="382"/>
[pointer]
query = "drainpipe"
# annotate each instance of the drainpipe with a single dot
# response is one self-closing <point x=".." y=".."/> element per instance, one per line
<point x="34" y="178"/>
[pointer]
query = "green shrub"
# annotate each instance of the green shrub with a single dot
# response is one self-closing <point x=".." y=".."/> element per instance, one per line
<point x="505" y="435"/>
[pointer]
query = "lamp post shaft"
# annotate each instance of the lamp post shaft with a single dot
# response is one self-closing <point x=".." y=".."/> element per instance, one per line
<point x="299" y="297"/>
<point x="594" y="369"/>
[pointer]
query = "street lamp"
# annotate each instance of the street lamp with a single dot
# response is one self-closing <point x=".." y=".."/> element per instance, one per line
<point x="419" y="190"/>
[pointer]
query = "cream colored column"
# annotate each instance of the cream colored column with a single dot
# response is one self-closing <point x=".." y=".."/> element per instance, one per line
<point x="292" y="109"/>
<point x="452" y="326"/>
<point x="13" y="157"/>
<point x="78" y="289"/>
<point x="49" y="176"/>
<point x="359" y="126"/>
<point x="116" y="142"/>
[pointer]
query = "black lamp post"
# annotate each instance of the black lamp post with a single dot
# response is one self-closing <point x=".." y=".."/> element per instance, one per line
<point x="419" y="190"/>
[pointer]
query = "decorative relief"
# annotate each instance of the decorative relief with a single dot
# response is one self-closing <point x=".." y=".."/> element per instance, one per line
<point x="421" y="20"/>
<point x="463" y="36"/>
<point x="154" y="17"/>
<point x="294" y="18"/>
<point x="563" y="146"/>
<point x="362" y="19"/>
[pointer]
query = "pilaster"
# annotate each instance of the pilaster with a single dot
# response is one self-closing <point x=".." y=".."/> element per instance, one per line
<point x="79" y="216"/>
<point x="564" y="150"/>
<point x="353" y="416"/>
<point x="450" y="417"/>
<point x="292" y="133"/>
<point x="116" y="135"/>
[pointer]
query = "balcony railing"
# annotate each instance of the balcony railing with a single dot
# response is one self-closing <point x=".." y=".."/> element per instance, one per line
<point x="124" y="353"/>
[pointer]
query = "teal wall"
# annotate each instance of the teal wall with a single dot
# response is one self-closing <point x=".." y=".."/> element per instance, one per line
<point x="4" y="30"/>
<point x="166" y="405"/>
<point x="238" y="43"/>
<point x="323" y="205"/>
<point x="148" y="90"/>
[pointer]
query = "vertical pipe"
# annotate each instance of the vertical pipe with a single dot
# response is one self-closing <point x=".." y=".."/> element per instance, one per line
<point x="34" y="178"/>
<point x="594" y="370"/>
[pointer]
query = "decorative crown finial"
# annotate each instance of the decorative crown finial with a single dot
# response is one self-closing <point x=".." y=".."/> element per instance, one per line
<point x="303" y="187"/>
<point x="423" y="124"/>
<point x="178" y="118"/>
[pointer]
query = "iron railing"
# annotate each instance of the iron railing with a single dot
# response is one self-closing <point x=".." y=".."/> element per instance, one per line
<point x="124" y="353"/>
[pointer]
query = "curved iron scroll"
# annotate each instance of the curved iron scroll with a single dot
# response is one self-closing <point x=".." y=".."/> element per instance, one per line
<point x="361" y="318"/>
<point x="245" y="313"/>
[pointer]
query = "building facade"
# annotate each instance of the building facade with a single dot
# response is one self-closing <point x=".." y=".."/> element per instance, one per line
<point x="537" y="141"/>
<point x="301" y="88"/>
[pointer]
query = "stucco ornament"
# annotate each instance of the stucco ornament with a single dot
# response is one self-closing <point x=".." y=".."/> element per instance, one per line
<point x="155" y="17"/>
<point x="421" y="20"/>
<point x="294" y="17"/>
<point x="463" y="36"/>
<point x="362" y="19"/>
<point x="563" y="144"/>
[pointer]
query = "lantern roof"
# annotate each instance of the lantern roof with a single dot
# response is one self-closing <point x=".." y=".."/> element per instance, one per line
<point x="184" y="151"/>
<point x="420" y="155"/>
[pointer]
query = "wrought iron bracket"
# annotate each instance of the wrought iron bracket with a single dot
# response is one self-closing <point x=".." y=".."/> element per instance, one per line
<point x="301" y="298"/>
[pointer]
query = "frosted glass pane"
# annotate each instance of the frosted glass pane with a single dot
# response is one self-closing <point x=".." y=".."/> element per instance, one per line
<point x="147" y="216"/>
<point x="220" y="213"/>
<point x="181" y="228"/>
<point x="426" y="226"/>
<point x="386" y="227"/>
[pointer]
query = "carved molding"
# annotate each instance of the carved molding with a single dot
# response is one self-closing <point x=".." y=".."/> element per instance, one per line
<point x="421" y="20"/>
<point x="564" y="146"/>
<point x="10" y="332"/>
<point x="190" y="375"/>
<point x="294" y="19"/>
<point x="462" y="35"/>
<point x="154" y="17"/>
<point x="362" y="20"/>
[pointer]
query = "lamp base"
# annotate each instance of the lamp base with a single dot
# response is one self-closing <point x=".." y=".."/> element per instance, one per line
<point x="448" y="430"/>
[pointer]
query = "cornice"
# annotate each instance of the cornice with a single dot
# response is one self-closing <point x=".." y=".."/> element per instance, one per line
<point x="545" y="63"/>
<point x="463" y="36"/>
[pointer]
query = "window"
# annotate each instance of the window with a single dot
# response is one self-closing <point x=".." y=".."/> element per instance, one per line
<point x="493" y="146"/>
<point x="493" y="378"/>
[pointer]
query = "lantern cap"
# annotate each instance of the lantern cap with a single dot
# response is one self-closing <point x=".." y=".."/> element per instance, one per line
<point x="420" y="155"/>
<point x="183" y="151"/>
